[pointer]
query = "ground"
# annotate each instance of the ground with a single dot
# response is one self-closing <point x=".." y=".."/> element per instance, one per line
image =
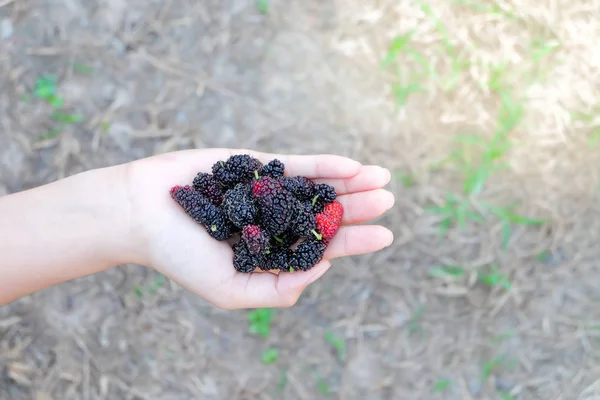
<point x="485" y="112"/>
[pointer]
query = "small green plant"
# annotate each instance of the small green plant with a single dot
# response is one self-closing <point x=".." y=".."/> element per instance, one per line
<point x="283" y="378"/>
<point x="260" y="321"/>
<point x="508" y="217"/>
<point x="441" y="385"/>
<point x="66" y="118"/>
<point x="338" y="344"/>
<point x="495" y="364"/>
<point x="446" y="272"/>
<point x="407" y="180"/>
<point x="322" y="386"/>
<point x="505" y="395"/>
<point x="150" y="289"/>
<point x="491" y="276"/>
<point x="82" y="69"/>
<point x="263" y="6"/>
<point x="270" y="356"/>
<point x="45" y="89"/>
<point x="139" y="292"/>
<point x="457" y="211"/>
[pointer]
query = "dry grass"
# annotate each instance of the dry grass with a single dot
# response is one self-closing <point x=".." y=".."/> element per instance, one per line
<point x="502" y="305"/>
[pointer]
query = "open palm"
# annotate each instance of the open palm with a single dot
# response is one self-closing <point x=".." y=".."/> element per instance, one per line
<point x="176" y="246"/>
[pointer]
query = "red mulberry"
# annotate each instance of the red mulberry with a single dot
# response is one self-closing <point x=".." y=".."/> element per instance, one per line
<point x="256" y="239"/>
<point x="328" y="222"/>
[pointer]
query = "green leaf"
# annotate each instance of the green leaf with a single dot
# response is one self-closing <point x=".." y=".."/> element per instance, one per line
<point x="505" y="395"/>
<point x="402" y="92"/>
<point x="139" y="292"/>
<point x="322" y="386"/>
<point x="396" y="47"/>
<point x="263" y="6"/>
<point x="270" y="356"/>
<point x="67" y="118"/>
<point x="339" y="345"/>
<point x="446" y="271"/>
<point x="543" y="256"/>
<point x="441" y="385"/>
<point x="82" y="69"/>
<point x="56" y="102"/>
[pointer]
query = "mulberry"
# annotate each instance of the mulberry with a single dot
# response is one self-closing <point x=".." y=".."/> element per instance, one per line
<point x="328" y="222"/>
<point x="240" y="168"/>
<point x="308" y="254"/>
<point x="239" y="206"/>
<point x="274" y="169"/>
<point x="305" y="222"/>
<point x="302" y="188"/>
<point x="276" y="205"/>
<point x="281" y="259"/>
<point x="243" y="260"/>
<point x="325" y="193"/>
<point x="203" y="211"/>
<point x="286" y="239"/>
<point x="256" y="239"/>
<point x="208" y="186"/>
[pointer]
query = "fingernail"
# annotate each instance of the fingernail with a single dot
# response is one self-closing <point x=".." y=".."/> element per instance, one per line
<point x="390" y="200"/>
<point x="324" y="269"/>
<point x="391" y="240"/>
<point x="388" y="174"/>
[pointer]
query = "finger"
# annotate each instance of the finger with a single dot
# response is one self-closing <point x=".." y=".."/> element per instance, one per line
<point x="369" y="177"/>
<point x="265" y="290"/>
<point x="355" y="240"/>
<point x="310" y="166"/>
<point x="364" y="206"/>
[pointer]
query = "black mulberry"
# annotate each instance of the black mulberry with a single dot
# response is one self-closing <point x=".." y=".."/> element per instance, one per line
<point x="208" y="186"/>
<point x="239" y="205"/>
<point x="203" y="211"/>
<point x="274" y="169"/>
<point x="243" y="260"/>
<point x="308" y="254"/>
<point x="240" y="168"/>
<point x="305" y="221"/>
<point x="302" y="188"/>
<point x="325" y="193"/>
<point x="276" y="205"/>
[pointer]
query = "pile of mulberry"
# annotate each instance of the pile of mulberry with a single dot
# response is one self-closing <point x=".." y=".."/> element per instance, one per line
<point x="274" y="222"/>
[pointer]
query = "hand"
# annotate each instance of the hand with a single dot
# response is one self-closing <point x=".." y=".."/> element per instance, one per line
<point x="178" y="247"/>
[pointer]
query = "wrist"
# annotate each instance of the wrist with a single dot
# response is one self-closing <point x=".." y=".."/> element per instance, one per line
<point x="124" y="244"/>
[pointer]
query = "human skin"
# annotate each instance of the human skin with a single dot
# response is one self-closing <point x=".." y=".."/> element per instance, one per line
<point x="98" y="219"/>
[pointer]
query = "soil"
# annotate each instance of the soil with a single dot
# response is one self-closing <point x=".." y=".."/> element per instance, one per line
<point x="149" y="76"/>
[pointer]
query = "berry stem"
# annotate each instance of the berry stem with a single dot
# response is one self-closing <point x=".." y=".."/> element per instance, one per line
<point x="278" y="239"/>
<point x="256" y="174"/>
<point x="291" y="270"/>
<point x="222" y="164"/>
<point x="213" y="228"/>
<point x="317" y="235"/>
<point x="314" y="200"/>
<point x="268" y="252"/>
